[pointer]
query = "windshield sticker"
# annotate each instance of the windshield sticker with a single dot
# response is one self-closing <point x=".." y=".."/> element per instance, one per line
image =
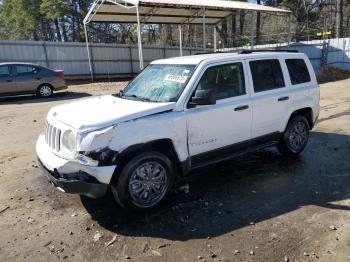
<point x="175" y="78"/>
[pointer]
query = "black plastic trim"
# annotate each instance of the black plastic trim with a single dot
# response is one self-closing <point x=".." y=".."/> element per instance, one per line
<point x="232" y="151"/>
<point x="79" y="183"/>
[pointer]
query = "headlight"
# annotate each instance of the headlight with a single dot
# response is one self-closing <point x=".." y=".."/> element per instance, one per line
<point x="69" y="141"/>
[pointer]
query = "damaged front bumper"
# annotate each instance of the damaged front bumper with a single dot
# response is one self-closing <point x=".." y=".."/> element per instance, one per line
<point x="78" y="183"/>
<point x="73" y="176"/>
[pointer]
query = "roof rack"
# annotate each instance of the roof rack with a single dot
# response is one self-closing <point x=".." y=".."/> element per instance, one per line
<point x="208" y="53"/>
<point x="267" y="50"/>
<point x="246" y="51"/>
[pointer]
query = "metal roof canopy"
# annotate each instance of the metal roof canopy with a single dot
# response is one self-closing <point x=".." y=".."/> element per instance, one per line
<point x="179" y="12"/>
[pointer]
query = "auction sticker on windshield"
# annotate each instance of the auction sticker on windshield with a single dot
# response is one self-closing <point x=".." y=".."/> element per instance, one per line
<point x="176" y="78"/>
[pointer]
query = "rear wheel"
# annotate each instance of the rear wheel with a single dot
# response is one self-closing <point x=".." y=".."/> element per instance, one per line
<point x="144" y="181"/>
<point x="44" y="91"/>
<point x="295" y="137"/>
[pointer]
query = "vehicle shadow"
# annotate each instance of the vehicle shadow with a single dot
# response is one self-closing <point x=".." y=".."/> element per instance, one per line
<point x="30" y="99"/>
<point x="231" y="195"/>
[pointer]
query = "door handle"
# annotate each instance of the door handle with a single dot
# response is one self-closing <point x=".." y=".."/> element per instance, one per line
<point x="240" y="108"/>
<point x="285" y="98"/>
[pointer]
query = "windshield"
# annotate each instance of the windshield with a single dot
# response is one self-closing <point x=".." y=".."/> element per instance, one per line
<point x="159" y="83"/>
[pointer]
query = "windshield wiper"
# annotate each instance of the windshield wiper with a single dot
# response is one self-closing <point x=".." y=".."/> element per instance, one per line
<point x="138" y="98"/>
<point x="120" y="94"/>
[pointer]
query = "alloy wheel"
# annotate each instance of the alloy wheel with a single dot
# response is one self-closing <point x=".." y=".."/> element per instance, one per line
<point x="148" y="184"/>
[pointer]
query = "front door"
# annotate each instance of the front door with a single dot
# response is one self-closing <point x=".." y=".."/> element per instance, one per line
<point x="216" y="131"/>
<point x="7" y="81"/>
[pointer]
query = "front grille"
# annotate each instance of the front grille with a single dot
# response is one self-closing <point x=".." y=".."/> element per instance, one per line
<point x="52" y="136"/>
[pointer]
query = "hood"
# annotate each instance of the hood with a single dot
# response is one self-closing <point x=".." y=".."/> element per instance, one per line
<point x="103" y="111"/>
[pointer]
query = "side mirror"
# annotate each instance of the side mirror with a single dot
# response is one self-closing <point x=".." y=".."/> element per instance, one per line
<point x="202" y="98"/>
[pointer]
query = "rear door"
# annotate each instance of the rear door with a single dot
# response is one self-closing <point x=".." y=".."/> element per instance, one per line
<point x="7" y="80"/>
<point x="27" y="79"/>
<point x="270" y="98"/>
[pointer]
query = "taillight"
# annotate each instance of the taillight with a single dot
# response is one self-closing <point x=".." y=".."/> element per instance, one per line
<point x="61" y="75"/>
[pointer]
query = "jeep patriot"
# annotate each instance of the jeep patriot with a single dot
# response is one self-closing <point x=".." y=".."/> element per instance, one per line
<point x="178" y="115"/>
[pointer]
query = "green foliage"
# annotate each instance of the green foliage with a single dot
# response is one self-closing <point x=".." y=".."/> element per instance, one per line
<point x="20" y="18"/>
<point x="54" y="9"/>
<point x="62" y="20"/>
<point x="42" y="19"/>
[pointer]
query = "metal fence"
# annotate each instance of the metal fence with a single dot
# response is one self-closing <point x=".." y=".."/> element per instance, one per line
<point x="112" y="60"/>
<point x="332" y="52"/>
<point x="108" y="60"/>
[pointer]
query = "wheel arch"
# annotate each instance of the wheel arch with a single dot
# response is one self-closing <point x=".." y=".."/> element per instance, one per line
<point x="165" y="146"/>
<point x="306" y="112"/>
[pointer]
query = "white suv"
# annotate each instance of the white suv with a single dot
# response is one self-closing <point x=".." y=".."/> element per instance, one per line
<point x="178" y="115"/>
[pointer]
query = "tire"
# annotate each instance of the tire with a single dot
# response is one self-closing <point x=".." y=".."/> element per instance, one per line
<point x="137" y="188"/>
<point x="295" y="137"/>
<point x="44" y="90"/>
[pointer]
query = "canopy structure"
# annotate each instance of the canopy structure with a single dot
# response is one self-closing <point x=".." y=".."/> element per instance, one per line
<point x="205" y="12"/>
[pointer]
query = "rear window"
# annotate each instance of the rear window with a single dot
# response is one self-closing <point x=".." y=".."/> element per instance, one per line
<point x="298" y="71"/>
<point x="4" y="71"/>
<point x="267" y="75"/>
<point x="26" y="70"/>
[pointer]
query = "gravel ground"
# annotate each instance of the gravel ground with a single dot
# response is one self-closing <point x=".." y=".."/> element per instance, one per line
<point x="259" y="207"/>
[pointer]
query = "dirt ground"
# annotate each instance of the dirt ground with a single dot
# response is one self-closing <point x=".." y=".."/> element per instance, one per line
<point x="259" y="207"/>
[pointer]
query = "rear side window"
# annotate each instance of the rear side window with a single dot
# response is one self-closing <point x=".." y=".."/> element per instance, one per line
<point x="267" y="75"/>
<point x="4" y="71"/>
<point x="298" y="71"/>
<point x="26" y="70"/>
<point x="225" y="80"/>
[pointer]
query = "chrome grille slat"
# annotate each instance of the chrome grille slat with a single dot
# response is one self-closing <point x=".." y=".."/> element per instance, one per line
<point x="57" y="139"/>
<point x="52" y="136"/>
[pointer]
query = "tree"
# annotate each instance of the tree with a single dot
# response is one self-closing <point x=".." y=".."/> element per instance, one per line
<point x="339" y="18"/>
<point x="304" y="13"/>
<point x="258" y="24"/>
<point x="20" y="18"/>
<point x="62" y="20"/>
<point x="55" y="11"/>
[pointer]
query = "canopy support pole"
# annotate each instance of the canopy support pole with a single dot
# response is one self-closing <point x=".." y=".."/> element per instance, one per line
<point x="204" y="31"/>
<point x="180" y="33"/>
<point x="289" y="29"/>
<point x="252" y="31"/>
<point x="88" y="52"/>
<point x="139" y="40"/>
<point x="215" y="46"/>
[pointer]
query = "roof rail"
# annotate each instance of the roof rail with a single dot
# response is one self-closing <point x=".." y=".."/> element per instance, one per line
<point x="207" y="53"/>
<point x="267" y="50"/>
<point x="246" y="51"/>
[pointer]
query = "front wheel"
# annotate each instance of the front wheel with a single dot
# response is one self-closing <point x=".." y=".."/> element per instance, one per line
<point x="295" y="137"/>
<point x="144" y="181"/>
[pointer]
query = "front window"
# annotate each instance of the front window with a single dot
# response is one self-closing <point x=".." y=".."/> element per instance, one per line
<point x="225" y="80"/>
<point x="159" y="83"/>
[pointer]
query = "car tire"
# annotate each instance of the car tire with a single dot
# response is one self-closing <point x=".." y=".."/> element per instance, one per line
<point x="144" y="181"/>
<point x="44" y="90"/>
<point x="295" y="137"/>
